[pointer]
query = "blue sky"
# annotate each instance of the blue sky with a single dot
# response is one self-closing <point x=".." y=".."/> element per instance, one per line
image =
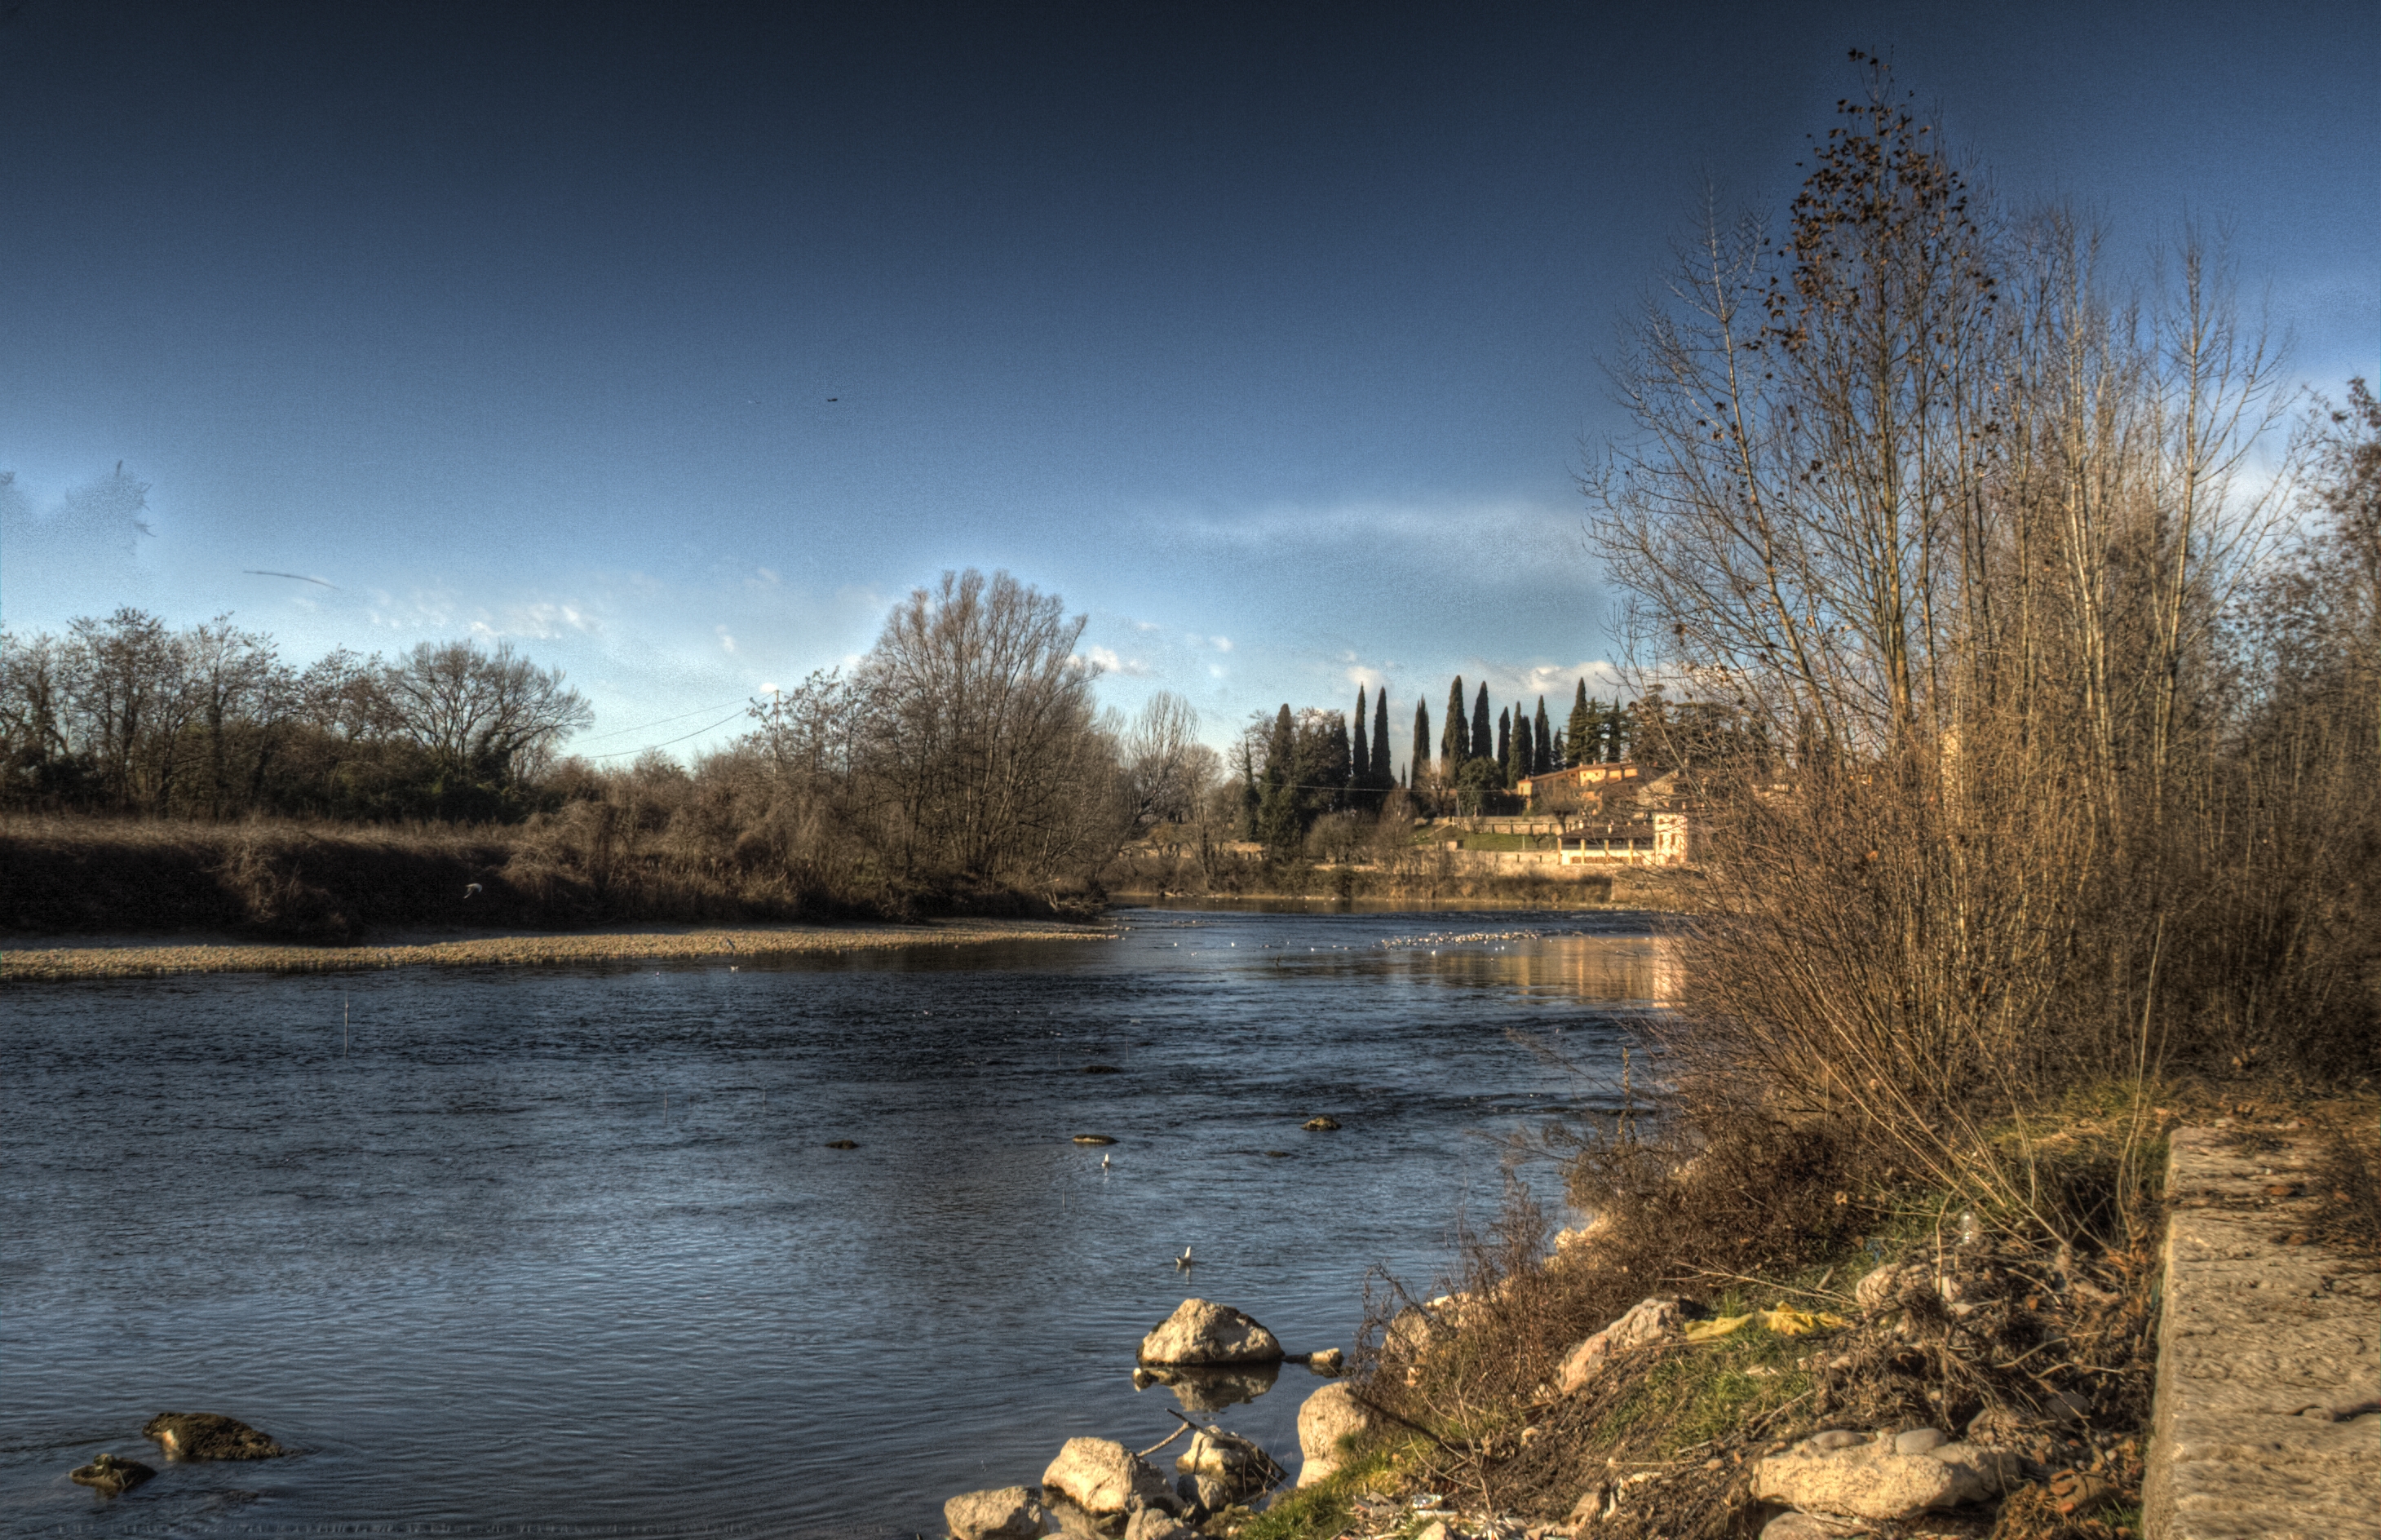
<point x="675" y="342"/>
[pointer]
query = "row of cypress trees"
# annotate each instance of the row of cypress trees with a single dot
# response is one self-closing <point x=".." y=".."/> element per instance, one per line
<point x="1314" y="764"/>
<point x="1521" y="745"/>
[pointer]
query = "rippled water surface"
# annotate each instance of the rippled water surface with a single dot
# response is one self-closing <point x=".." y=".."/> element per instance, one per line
<point x="565" y="1251"/>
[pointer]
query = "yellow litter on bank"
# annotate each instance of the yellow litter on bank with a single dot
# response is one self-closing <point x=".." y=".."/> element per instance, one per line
<point x="1786" y="1321"/>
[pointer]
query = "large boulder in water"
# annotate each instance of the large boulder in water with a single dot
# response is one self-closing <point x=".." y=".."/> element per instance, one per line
<point x="1106" y="1480"/>
<point x="110" y="1474"/>
<point x="205" y="1436"/>
<point x="1200" y="1332"/>
<point x="1004" y="1513"/>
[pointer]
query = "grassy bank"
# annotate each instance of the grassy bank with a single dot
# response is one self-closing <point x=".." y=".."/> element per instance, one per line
<point x="1823" y="1288"/>
<point x="51" y="958"/>
<point x="342" y="885"/>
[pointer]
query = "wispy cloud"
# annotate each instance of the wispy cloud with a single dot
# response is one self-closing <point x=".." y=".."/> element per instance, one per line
<point x="1109" y="661"/>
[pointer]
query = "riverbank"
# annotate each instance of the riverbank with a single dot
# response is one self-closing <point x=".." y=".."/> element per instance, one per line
<point x="1678" y="890"/>
<point x="1895" y="1368"/>
<point x="45" y="958"/>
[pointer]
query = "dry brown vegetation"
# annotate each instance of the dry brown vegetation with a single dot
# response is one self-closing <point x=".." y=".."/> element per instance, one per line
<point x="2037" y="724"/>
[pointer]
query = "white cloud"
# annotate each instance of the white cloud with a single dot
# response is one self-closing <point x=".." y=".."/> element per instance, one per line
<point x="1144" y="625"/>
<point x="1223" y="644"/>
<point x="1106" y="660"/>
<point x="724" y="640"/>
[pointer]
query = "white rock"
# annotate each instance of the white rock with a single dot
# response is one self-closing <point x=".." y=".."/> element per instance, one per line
<point x="1647" y="1321"/>
<point x="1874" y="1479"/>
<point x="1102" y="1478"/>
<point x="1234" y="1466"/>
<point x="1882" y="1289"/>
<point x="1004" y="1513"/>
<point x="1151" y="1523"/>
<point x="1809" y="1526"/>
<point x="1200" y="1332"/>
<point x="1329" y="1415"/>
<point x="1920" y="1441"/>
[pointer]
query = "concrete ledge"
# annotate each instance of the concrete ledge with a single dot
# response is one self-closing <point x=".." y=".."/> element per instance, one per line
<point x="2268" y="1354"/>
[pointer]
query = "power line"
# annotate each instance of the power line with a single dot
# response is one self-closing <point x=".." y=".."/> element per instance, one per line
<point x="697" y="733"/>
<point x="648" y="727"/>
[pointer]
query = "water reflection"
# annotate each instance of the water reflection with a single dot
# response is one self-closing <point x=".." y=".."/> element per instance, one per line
<point x="1202" y="1390"/>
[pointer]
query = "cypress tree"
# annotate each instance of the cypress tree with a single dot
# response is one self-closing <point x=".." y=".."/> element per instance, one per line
<point x="1455" y="740"/>
<point x="1420" y="760"/>
<point x="1579" y="737"/>
<point x="1277" y="821"/>
<point x="1619" y="732"/>
<point x="1336" y="766"/>
<point x="1382" y="777"/>
<point x="1525" y="747"/>
<point x="1542" y="760"/>
<point x="1480" y="742"/>
<point x="1361" y="763"/>
<point x="1504" y="744"/>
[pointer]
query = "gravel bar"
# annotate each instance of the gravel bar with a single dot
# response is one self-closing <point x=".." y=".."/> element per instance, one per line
<point x="149" y="960"/>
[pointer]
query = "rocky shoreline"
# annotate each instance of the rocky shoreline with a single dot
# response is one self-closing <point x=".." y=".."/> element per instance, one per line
<point x="1970" y="1386"/>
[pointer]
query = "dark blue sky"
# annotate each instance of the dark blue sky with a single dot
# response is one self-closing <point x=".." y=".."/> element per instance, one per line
<point x="1267" y="336"/>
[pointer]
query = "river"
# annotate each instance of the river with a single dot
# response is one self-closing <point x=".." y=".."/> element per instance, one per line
<point x="565" y="1251"/>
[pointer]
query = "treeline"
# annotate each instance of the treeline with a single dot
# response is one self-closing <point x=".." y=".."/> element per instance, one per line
<point x="124" y="715"/>
<point x="962" y="762"/>
<point x="2045" y="656"/>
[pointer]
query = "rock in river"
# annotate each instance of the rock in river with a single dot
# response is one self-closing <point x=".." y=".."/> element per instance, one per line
<point x="1104" y="1479"/>
<point x="1004" y="1513"/>
<point x="1093" y="1139"/>
<point x="1228" y="1467"/>
<point x="1322" y="1125"/>
<point x="110" y="1474"/>
<point x="1199" y="1332"/>
<point x="204" y="1435"/>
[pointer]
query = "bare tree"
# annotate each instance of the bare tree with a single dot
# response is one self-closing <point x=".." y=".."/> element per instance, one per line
<point x="980" y="730"/>
<point x="1952" y="526"/>
<point x="486" y="715"/>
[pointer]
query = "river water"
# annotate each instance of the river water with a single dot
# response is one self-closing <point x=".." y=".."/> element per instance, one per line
<point x="565" y="1251"/>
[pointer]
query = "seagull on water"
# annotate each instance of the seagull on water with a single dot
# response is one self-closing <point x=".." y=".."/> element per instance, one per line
<point x="1182" y="1263"/>
<point x="1105" y="1163"/>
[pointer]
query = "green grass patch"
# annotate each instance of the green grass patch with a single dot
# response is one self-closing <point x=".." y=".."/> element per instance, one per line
<point x="1708" y="1390"/>
<point x="1322" y="1511"/>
